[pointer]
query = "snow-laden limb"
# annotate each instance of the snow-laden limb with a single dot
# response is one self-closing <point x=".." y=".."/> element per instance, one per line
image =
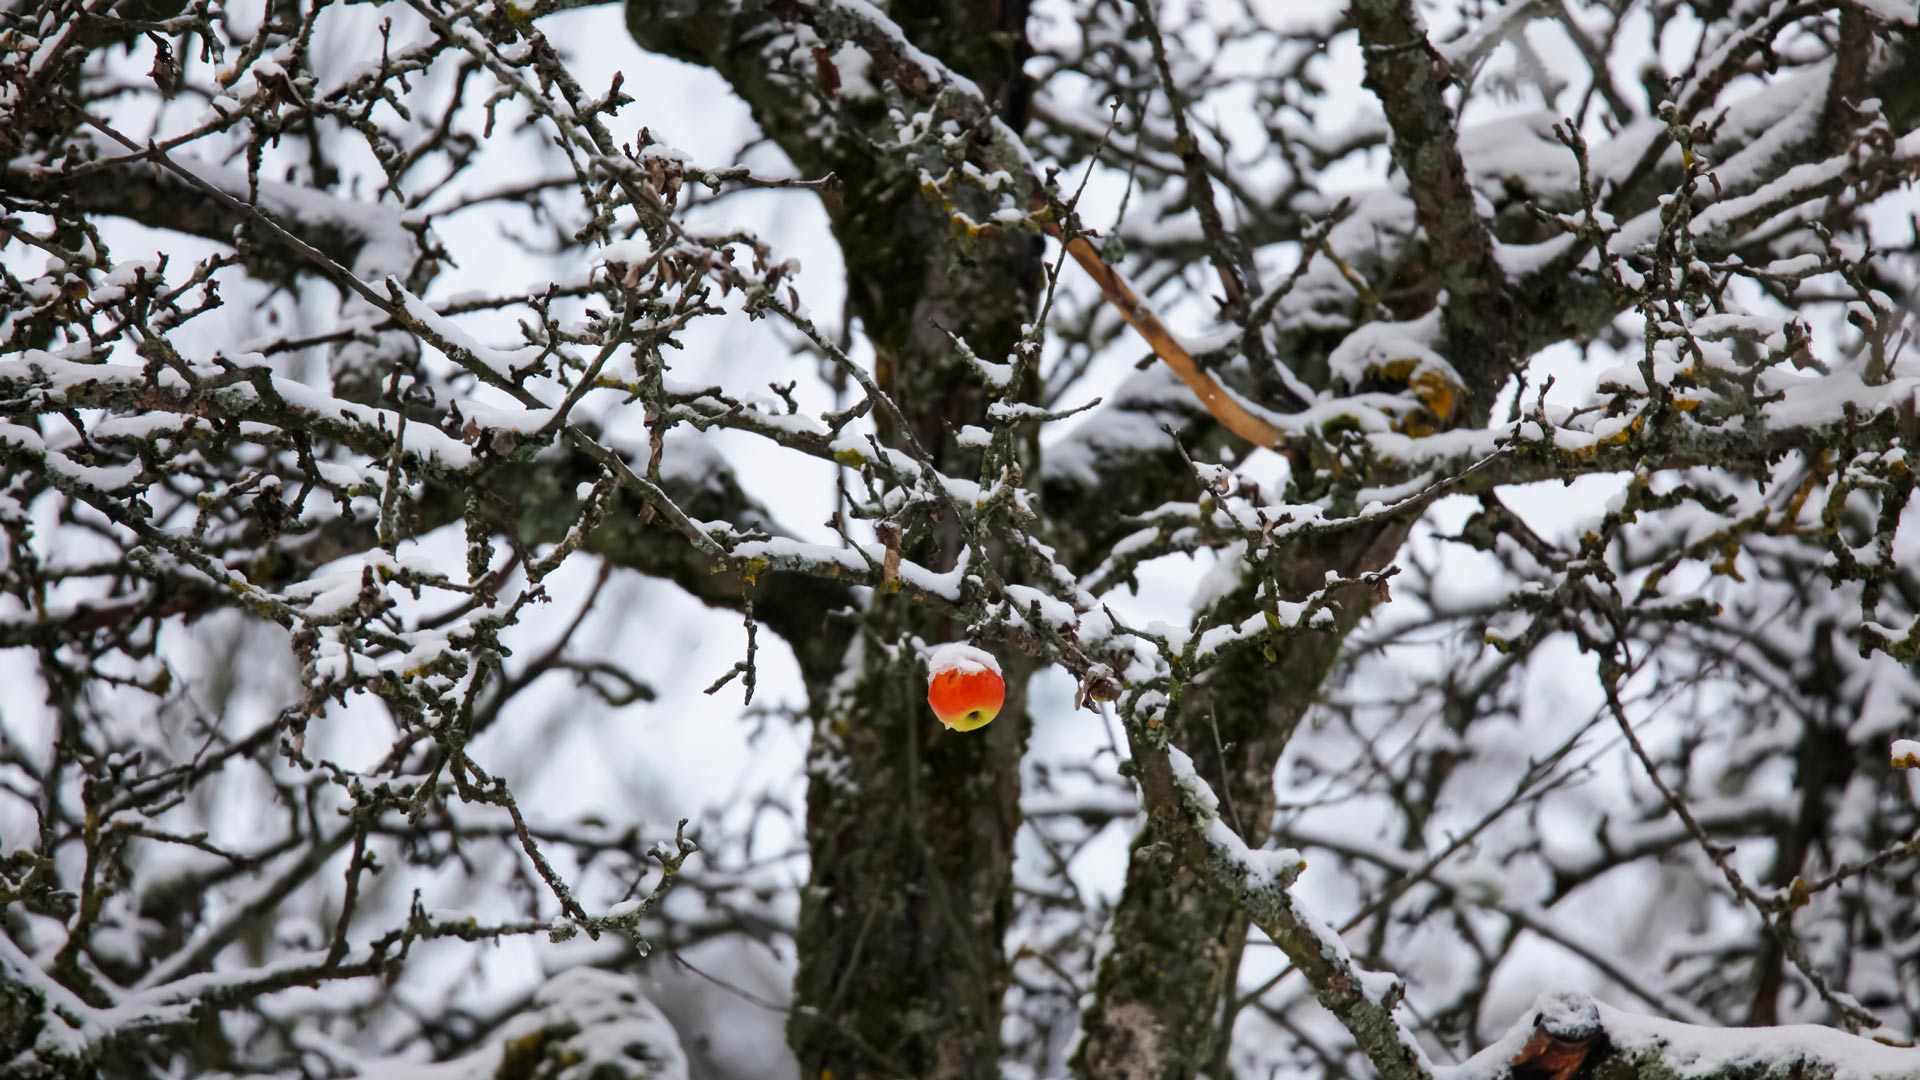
<point x="1562" y="1032"/>
<point x="61" y="1034"/>
<point x="240" y="389"/>
<point x="373" y="238"/>
<point x="582" y="1024"/>
<point x="1567" y="1034"/>
<point x="591" y="1016"/>
<point x="1228" y="856"/>
<point x="1183" y="807"/>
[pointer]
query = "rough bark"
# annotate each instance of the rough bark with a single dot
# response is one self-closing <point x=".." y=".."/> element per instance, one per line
<point x="1158" y="1009"/>
<point x="910" y="828"/>
<point x="1179" y="937"/>
<point x="1409" y="78"/>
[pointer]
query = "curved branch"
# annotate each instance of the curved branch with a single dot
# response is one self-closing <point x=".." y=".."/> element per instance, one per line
<point x="1222" y="403"/>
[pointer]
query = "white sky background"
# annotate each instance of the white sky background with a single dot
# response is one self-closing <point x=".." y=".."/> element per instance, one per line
<point x="689" y="755"/>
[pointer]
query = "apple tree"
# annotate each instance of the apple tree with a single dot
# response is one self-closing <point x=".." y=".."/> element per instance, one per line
<point x="1435" y="478"/>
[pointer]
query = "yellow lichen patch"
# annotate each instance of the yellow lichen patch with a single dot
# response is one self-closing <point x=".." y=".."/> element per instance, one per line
<point x="1618" y="438"/>
<point x="1807" y="484"/>
<point x="1432" y="386"/>
<point x="1361" y="288"/>
<point x="965" y="229"/>
<point x="1416" y="424"/>
<point x="1396" y="370"/>
<point x="1435" y="391"/>
<point x="961" y="226"/>
<point x="1729" y="551"/>
<point x="520" y="1056"/>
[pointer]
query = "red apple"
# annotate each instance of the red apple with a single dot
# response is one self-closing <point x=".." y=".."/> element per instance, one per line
<point x="964" y="686"/>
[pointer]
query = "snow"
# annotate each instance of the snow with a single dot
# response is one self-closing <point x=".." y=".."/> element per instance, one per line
<point x="102" y="478"/>
<point x="1227" y="575"/>
<point x="386" y="246"/>
<point x="500" y="365"/>
<point x="1521" y="149"/>
<point x="47" y="372"/>
<point x="1897" y="12"/>
<point x="524" y="421"/>
<point x="1199" y="795"/>
<point x="632" y="251"/>
<point x="600" y="1023"/>
<point x="1808" y="401"/>
<point x="1691" y="1051"/>
<point x="1686" y="1050"/>
<point x="129" y="273"/>
<point x="327" y="597"/>
<point x="1259" y="870"/>
<point x="785" y="553"/>
<point x="1906" y="754"/>
<point x="961" y="659"/>
<point x="1375" y="345"/>
<point x="1026" y="598"/>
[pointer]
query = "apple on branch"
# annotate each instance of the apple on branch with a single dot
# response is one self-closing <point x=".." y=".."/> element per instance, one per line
<point x="964" y="686"/>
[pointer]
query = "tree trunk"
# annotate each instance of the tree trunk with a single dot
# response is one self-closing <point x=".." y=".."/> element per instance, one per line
<point x="910" y="827"/>
<point x="1157" y="1006"/>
